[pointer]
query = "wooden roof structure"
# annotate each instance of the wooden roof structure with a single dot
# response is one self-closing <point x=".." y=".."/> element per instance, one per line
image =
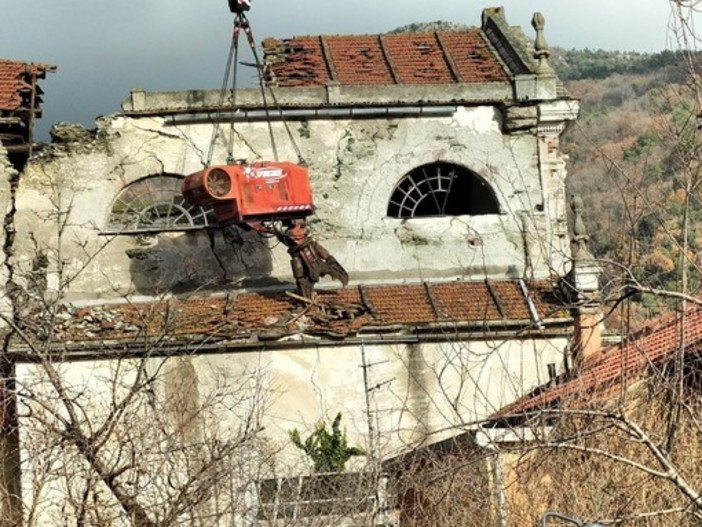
<point x="20" y="105"/>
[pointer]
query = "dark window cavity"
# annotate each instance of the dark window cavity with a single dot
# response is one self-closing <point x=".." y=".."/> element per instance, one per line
<point x="441" y="189"/>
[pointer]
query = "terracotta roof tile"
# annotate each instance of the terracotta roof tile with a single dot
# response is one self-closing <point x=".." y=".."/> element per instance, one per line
<point x="456" y="303"/>
<point x="359" y="60"/>
<point x="472" y="57"/>
<point x="419" y="59"/>
<point x="402" y="304"/>
<point x="339" y="313"/>
<point x="297" y="62"/>
<point x="620" y="365"/>
<point x="14" y="80"/>
<point x="408" y="58"/>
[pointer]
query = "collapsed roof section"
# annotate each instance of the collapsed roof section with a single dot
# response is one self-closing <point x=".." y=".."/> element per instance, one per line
<point x="246" y="321"/>
<point x="20" y="103"/>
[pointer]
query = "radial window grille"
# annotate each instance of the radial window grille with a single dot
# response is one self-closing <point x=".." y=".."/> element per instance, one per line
<point x="154" y="204"/>
<point x="441" y="189"/>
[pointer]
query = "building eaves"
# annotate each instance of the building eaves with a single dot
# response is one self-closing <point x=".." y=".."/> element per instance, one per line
<point x="245" y="321"/>
<point x="316" y="101"/>
<point x="618" y="367"/>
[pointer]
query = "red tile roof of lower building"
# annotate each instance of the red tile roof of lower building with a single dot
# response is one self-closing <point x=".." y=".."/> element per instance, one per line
<point x="339" y="313"/>
<point x="617" y="367"/>
<point x="408" y="58"/>
<point x="15" y="80"/>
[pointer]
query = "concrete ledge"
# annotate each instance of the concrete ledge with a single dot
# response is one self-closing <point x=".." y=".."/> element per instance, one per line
<point x="196" y="101"/>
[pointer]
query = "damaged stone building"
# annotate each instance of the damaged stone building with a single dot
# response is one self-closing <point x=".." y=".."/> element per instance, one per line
<point x="439" y="185"/>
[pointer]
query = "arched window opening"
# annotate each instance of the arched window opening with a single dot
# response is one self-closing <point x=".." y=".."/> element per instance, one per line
<point x="154" y="204"/>
<point x="441" y="189"/>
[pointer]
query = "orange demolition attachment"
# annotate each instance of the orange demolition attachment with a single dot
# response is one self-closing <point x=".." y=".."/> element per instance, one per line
<point x="245" y="193"/>
<point x="258" y="195"/>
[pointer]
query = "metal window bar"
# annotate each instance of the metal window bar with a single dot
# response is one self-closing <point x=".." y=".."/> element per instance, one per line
<point x="316" y="495"/>
<point x="420" y="184"/>
<point x="154" y="204"/>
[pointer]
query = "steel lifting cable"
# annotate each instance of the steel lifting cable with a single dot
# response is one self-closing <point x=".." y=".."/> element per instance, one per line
<point x="260" y="69"/>
<point x="235" y="39"/>
<point x="233" y="52"/>
<point x="261" y="82"/>
<point x="241" y="21"/>
<point x="252" y="45"/>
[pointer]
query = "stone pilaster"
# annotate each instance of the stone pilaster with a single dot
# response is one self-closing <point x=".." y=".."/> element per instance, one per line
<point x="582" y="289"/>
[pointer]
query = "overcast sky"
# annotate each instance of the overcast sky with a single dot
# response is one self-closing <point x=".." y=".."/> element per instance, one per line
<point x="103" y="48"/>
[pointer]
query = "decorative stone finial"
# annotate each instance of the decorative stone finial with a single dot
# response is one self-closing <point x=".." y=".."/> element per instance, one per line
<point x="580" y="237"/>
<point x="541" y="52"/>
<point x="581" y="285"/>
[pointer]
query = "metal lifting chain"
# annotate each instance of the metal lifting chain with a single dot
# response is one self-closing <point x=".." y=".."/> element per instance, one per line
<point x="242" y="22"/>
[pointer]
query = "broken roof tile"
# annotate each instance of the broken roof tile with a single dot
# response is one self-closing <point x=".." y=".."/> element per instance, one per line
<point x="359" y="60"/>
<point x="407" y="58"/>
<point x="338" y="313"/>
<point x="296" y="62"/>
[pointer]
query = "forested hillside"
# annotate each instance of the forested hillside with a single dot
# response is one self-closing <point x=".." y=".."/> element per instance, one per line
<point x="633" y="157"/>
<point x="598" y="64"/>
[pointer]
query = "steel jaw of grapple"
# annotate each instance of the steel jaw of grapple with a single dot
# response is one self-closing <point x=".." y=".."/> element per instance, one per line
<point x="309" y="259"/>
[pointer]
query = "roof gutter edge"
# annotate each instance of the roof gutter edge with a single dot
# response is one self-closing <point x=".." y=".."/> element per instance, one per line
<point x="96" y="350"/>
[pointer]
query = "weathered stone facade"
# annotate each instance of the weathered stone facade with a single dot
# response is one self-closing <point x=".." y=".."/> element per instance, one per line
<point x="7" y="174"/>
<point x="354" y="163"/>
<point x="397" y="387"/>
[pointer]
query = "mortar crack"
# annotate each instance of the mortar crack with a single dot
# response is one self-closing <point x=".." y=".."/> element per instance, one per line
<point x="11" y="287"/>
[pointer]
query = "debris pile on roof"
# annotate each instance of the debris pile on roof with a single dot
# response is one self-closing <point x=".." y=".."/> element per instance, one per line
<point x="477" y="306"/>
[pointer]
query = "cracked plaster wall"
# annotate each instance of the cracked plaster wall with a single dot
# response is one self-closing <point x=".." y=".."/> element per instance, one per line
<point x="354" y="166"/>
<point x="7" y="174"/>
<point x="422" y="392"/>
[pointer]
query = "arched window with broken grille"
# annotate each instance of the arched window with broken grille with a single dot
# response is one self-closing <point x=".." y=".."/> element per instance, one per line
<point x="441" y="189"/>
<point x="154" y="204"/>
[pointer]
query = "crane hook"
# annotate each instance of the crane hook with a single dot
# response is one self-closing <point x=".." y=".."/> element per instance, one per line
<point x="239" y="6"/>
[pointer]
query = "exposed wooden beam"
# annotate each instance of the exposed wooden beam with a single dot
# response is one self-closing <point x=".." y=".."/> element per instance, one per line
<point x="32" y="112"/>
<point x="23" y="148"/>
<point x="8" y="137"/>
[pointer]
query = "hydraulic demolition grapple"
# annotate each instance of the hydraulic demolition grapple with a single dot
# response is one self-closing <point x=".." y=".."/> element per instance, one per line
<point x="260" y="196"/>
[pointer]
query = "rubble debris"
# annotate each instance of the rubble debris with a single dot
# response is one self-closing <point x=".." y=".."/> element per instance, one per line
<point x="66" y="133"/>
<point x="91" y="321"/>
